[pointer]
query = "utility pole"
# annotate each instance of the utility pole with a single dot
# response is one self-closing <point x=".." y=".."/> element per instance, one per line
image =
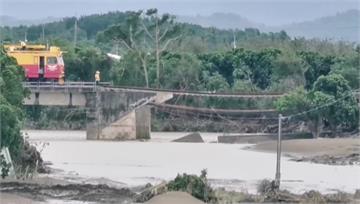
<point x="43" y="33"/>
<point x="278" y="155"/>
<point x="234" y="40"/>
<point x="75" y="32"/>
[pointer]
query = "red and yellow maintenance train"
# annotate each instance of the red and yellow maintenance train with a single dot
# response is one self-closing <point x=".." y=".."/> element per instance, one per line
<point x="40" y="63"/>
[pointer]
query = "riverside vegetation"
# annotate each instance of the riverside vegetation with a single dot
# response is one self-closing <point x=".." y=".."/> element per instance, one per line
<point x="26" y="158"/>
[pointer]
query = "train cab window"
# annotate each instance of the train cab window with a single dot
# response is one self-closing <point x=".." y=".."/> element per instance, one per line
<point x="60" y="60"/>
<point x="51" y="60"/>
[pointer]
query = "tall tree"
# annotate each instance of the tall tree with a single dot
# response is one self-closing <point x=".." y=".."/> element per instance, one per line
<point x="317" y="65"/>
<point x="257" y="67"/>
<point x="240" y="64"/>
<point x="131" y="35"/>
<point x="345" y="111"/>
<point x="181" y="71"/>
<point x="331" y="101"/>
<point x="162" y="31"/>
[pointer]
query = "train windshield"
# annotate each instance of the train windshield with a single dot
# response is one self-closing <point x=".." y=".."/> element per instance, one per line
<point x="52" y="60"/>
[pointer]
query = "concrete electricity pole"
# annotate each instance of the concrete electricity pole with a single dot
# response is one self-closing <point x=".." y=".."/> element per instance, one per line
<point x="75" y="32"/>
<point x="234" y="40"/>
<point x="278" y="155"/>
<point x="43" y="33"/>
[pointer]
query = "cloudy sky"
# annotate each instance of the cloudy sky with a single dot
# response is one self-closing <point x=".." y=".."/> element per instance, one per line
<point x="269" y="12"/>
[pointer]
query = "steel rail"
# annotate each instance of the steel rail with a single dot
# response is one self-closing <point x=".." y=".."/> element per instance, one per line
<point x="109" y="86"/>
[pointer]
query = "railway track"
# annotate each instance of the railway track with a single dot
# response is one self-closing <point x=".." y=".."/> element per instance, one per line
<point x="105" y="86"/>
<point x="200" y="93"/>
<point x="212" y="110"/>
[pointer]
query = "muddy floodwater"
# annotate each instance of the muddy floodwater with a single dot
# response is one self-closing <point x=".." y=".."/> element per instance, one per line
<point x="134" y="163"/>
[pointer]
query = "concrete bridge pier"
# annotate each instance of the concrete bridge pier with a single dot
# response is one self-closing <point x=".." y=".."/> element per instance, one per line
<point x="135" y="125"/>
<point x="111" y="113"/>
<point x="118" y="115"/>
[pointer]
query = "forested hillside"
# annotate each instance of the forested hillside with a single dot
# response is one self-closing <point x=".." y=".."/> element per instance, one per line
<point x="193" y="49"/>
<point x="344" y="26"/>
<point x="156" y="51"/>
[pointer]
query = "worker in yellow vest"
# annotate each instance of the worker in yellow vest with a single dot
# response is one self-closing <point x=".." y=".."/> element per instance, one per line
<point x="97" y="77"/>
<point x="62" y="78"/>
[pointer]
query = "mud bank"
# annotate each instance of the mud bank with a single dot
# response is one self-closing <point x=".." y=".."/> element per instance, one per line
<point x="330" y="151"/>
<point x="77" y="192"/>
<point x="348" y="159"/>
<point x="40" y="193"/>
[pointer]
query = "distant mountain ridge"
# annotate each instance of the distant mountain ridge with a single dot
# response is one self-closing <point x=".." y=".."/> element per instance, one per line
<point x="220" y="20"/>
<point x="12" y="21"/>
<point x="342" y="26"/>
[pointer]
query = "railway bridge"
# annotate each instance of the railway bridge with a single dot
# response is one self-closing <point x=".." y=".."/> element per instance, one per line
<point x="114" y="113"/>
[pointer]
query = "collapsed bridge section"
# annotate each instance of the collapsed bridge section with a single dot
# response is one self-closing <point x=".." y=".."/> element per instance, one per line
<point x="122" y="113"/>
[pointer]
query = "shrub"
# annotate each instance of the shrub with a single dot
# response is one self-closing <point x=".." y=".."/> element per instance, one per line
<point x="266" y="186"/>
<point x="197" y="186"/>
<point x="4" y="166"/>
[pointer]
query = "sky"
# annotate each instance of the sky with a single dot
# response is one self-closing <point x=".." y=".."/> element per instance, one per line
<point x="268" y="12"/>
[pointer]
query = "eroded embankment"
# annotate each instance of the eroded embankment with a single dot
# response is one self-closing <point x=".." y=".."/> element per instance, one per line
<point x="331" y="151"/>
<point x="80" y="192"/>
<point x="17" y="192"/>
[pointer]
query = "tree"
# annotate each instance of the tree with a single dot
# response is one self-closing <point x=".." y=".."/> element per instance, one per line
<point x="331" y="103"/>
<point x="82" y="64"/>
<point x="255" y="66"/>
<point x="240" y="64"/>
<point x="349" y="67"/>
<point x="181" y="71"/>
<point x="25" y="157"/>
<point x="215" y="82"/>
<point x="296" y="102"/>
<point x="162" y="31"/>
<point x="11" y="97"/>
<point x="317" y="65"/>
<point x="221" y="63"/>
<point x="344" y="112"/>
<point x="131" y="35"/>
<point x="128" y="71"/>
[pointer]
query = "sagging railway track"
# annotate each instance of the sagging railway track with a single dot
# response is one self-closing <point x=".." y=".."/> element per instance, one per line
<point x="92" y="87"/>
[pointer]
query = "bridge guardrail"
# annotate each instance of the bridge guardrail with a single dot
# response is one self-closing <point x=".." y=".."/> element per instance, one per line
<point x="66" y="86"/>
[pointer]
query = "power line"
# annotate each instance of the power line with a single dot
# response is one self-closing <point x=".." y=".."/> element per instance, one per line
<point x="212" y="115"/>
<point x="218" y="115"/>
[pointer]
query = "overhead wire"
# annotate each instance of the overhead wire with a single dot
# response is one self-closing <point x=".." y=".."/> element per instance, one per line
<point x="231" y="119"/>
<point x="320" y="107"/>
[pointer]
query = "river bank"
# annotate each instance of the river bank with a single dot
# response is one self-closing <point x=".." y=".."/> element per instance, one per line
<point x="331" y="151"/>
<point x="37" y="191"/>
